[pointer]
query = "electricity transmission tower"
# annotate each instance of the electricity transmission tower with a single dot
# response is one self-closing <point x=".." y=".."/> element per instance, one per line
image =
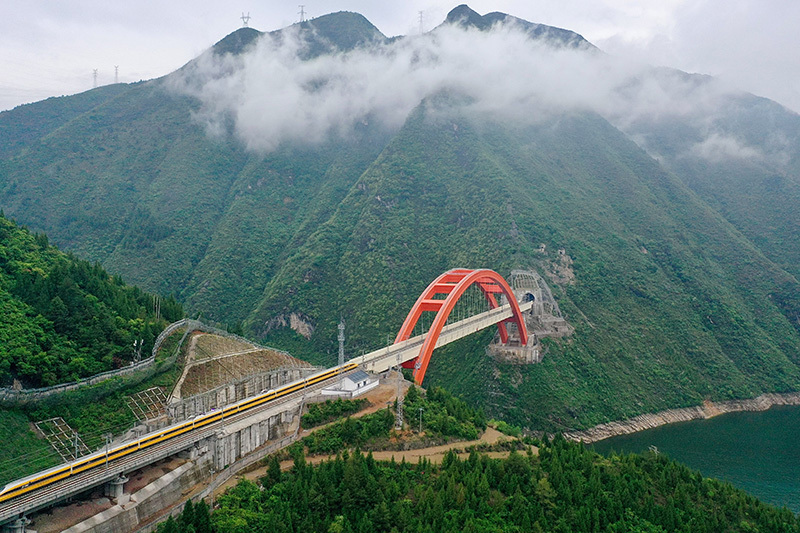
<point x="398" y="421"/>
<point x="245" y="19"/>
<point x="94" y="77"/>
<point x="302" y="12"/>
<point x="116" y="73"/>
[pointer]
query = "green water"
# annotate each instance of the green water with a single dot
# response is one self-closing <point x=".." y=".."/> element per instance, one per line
<point x="757" y="452"/>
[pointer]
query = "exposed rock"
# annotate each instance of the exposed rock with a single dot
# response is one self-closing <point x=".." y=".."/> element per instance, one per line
<point x="707" y="410"/>
<point x="300" y="323"/>
<point x="560" y="270"/>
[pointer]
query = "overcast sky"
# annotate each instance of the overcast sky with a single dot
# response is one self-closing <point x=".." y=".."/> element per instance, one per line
<point x="51" y="47"/>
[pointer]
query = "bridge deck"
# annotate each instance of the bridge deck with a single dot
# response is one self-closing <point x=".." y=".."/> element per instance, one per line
<point x="395" y="354"/>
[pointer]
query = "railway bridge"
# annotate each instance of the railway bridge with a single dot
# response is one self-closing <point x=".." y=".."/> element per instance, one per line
<point x="219" y="435"/>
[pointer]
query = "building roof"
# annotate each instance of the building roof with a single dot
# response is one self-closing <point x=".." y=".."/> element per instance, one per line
<point x="358" y="375"/>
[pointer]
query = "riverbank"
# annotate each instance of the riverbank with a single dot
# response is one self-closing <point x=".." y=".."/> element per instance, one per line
<point x="708" y="409"/>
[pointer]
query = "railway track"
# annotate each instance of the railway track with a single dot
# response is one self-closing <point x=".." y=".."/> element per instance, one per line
<point x="83" y="481"/>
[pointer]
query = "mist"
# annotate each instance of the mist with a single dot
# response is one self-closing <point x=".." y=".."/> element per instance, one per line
<point x="272" y="96"/>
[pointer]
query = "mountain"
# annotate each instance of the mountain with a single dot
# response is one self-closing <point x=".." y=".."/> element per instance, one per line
<point x="467" y="18"/>
<point x="679" y="224"/>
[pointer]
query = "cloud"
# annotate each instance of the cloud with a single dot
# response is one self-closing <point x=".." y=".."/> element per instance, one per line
<point x="272" y="96"/>
<point x="717" y="148"/>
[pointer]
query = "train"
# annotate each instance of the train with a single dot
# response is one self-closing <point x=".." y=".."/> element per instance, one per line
<point x="42" y="479"/>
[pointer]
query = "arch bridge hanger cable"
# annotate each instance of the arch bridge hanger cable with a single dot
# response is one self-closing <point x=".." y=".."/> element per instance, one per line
<point x="455" y="284"/>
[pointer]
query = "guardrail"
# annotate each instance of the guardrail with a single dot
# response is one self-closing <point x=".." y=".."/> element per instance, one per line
<point x="24" y="395"/>
<point x="10" y="395"/>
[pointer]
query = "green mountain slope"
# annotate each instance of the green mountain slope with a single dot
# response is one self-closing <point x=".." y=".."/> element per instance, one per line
<point x="672" y="305"/>
<point x="748" y="168"/>
<point x="684" y="272"/>
<point x="23" y="126"/>
<point x="62" y="318"/>
<point x="136" y="184"/>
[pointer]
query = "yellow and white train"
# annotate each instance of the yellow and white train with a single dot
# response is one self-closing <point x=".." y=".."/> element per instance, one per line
<point x="97" y="459"/>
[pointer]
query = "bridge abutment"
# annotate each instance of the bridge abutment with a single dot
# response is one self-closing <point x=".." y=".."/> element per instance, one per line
<point x="115" y="488"/>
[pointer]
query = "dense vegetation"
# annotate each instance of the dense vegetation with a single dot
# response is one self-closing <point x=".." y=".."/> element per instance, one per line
<point x="564" y="488"/>
<point x="685" y="267"/>
<point x="93" y="412"/>
<point x="443" y="414"/>
<point x="62" y="318"/>
<point x="321" y="413"/>
<point x="438" y="414"/>
<point x="347" y="433"/>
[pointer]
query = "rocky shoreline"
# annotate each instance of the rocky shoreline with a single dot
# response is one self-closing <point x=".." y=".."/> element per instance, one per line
<point x="707" y="410"/>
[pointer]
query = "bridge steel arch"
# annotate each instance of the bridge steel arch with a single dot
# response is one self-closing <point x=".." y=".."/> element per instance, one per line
<point x="453" y="284"/>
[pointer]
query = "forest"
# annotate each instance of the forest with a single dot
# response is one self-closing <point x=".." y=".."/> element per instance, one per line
<point x="561" y="487"/>
<point x="62" y="318"/>
<point x="537" y="485"/>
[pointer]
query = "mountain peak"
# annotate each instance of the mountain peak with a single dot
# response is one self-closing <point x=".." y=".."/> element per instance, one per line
<point x="466" y="17"/>
<point x="343" y="30"/>
<point x="236" y="42"/>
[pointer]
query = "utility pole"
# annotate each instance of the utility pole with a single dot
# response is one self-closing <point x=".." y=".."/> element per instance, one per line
<point x="108" y="441"/>
<point x="94" y="76"/>
<point x="116" y="73"/>
<point x="341" y="349"/>
<point x="245" y="19"/>
<point x="137" y="350"/>
<point x="420" y="419"/>
<point x="302" y="12"/>
<point x="76" y="443"/>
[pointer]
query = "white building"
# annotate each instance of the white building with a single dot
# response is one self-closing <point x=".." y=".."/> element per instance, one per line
<point x="353" y="385"/>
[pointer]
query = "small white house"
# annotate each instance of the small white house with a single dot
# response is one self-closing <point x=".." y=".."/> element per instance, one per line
<point x="353" y="385"/>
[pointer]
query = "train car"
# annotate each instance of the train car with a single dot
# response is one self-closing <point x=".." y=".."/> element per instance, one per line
<point x="47" y="477"/>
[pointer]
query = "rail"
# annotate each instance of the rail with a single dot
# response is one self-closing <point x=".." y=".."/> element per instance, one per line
<point x="78" y="483"/>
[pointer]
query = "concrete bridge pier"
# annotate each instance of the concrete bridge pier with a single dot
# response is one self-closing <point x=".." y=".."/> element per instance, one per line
<point x="17" y="526"/>
<point x="115" y="488"/>
<point x="234" y="441"/>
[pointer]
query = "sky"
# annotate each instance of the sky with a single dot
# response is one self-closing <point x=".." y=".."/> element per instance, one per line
<point x="52" y="47"/>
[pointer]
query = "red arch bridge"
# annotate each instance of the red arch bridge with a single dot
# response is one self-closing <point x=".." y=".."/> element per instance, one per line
<point x="221" y="429"/>
<point x="440" y="300"/>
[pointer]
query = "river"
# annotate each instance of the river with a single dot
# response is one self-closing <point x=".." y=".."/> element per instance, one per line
<point x="756" y="451"/>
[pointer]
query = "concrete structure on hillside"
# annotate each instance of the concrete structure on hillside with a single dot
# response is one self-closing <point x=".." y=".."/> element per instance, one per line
<point x="543" y="319"/>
